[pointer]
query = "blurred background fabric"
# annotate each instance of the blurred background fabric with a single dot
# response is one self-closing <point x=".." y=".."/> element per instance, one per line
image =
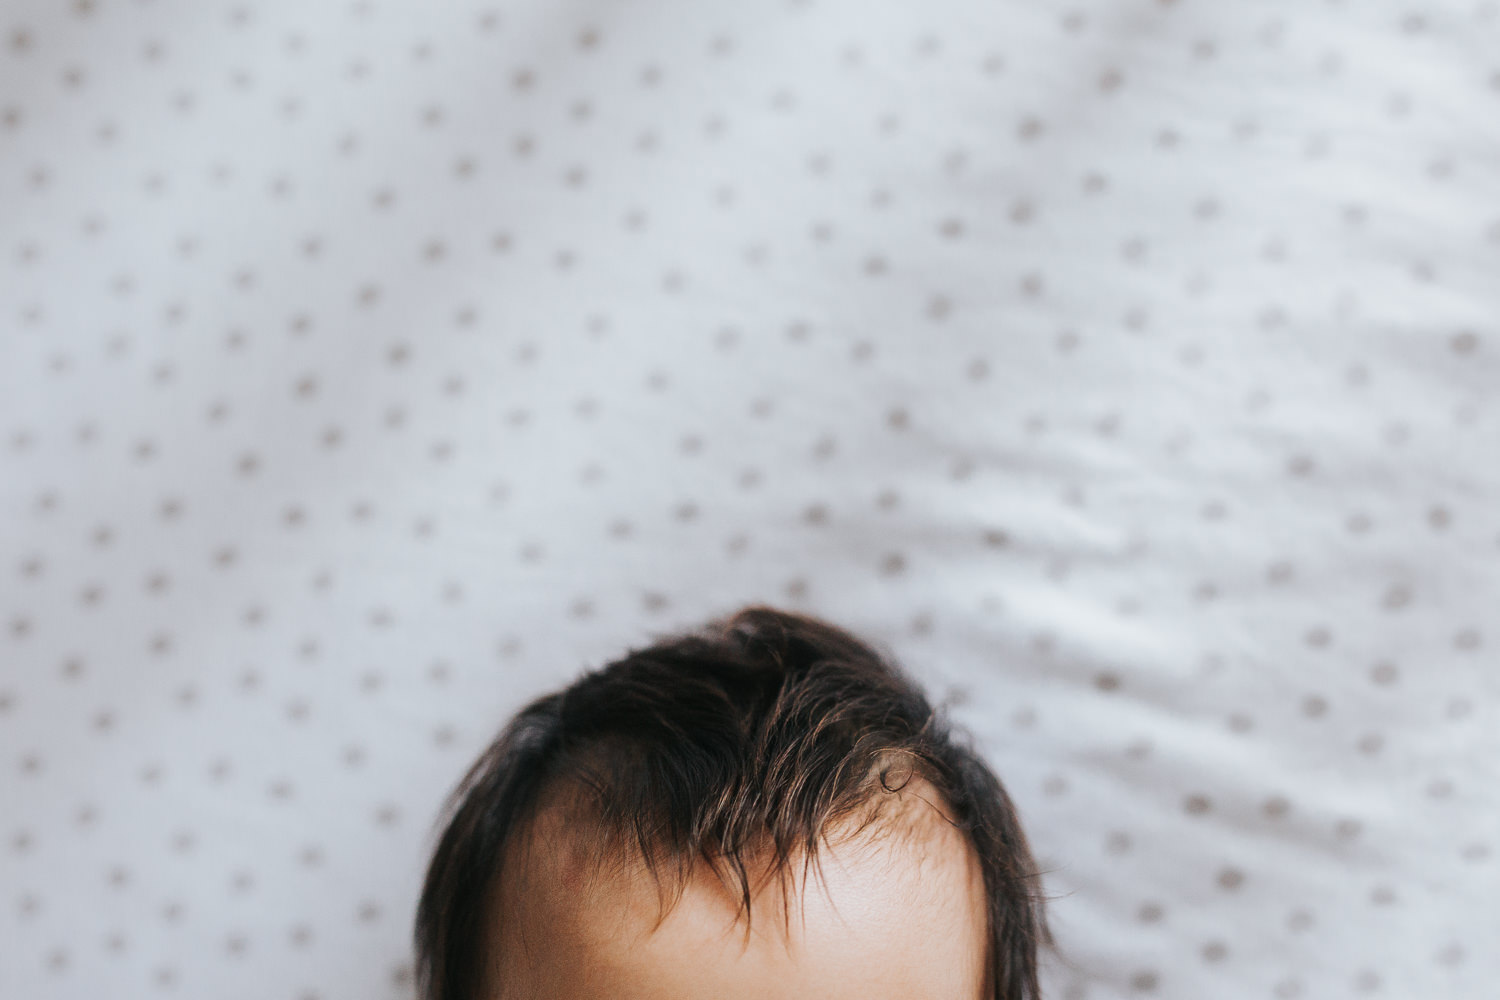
<point x="1127" y="369"/>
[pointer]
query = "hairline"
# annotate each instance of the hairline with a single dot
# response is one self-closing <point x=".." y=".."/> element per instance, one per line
<point x="595" y="857"/>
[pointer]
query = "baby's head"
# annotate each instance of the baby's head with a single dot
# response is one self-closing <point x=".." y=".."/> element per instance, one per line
<point x="618" y="837"/>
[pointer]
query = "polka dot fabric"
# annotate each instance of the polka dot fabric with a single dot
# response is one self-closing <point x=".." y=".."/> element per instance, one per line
<point x="1127" y="368"/>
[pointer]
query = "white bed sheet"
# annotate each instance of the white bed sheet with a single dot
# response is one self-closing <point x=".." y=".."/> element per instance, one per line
<point x="1127" y="368"/>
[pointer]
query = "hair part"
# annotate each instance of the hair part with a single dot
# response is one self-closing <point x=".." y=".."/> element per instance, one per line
<point x="743" y="747"/>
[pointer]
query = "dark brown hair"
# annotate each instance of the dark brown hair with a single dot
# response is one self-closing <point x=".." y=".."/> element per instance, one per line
<point x="743" y="740"/>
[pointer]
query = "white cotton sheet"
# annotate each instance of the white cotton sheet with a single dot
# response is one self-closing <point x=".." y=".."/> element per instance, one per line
<point x="1128" y="369"/>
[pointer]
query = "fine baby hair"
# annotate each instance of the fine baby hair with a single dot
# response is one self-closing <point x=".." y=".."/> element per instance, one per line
<point x="738" y="745"/>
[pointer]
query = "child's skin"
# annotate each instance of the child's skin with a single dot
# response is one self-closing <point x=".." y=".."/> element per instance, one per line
<point x="903" y="918"/>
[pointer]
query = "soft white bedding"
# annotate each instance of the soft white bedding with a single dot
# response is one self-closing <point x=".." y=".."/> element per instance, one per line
<point x="1127" y="368"/>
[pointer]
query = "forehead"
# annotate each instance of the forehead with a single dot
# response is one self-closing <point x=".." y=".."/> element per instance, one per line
<point x="899" y="912"/>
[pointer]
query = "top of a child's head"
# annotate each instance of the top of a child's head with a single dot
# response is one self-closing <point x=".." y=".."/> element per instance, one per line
<point x="619" y="835"/>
